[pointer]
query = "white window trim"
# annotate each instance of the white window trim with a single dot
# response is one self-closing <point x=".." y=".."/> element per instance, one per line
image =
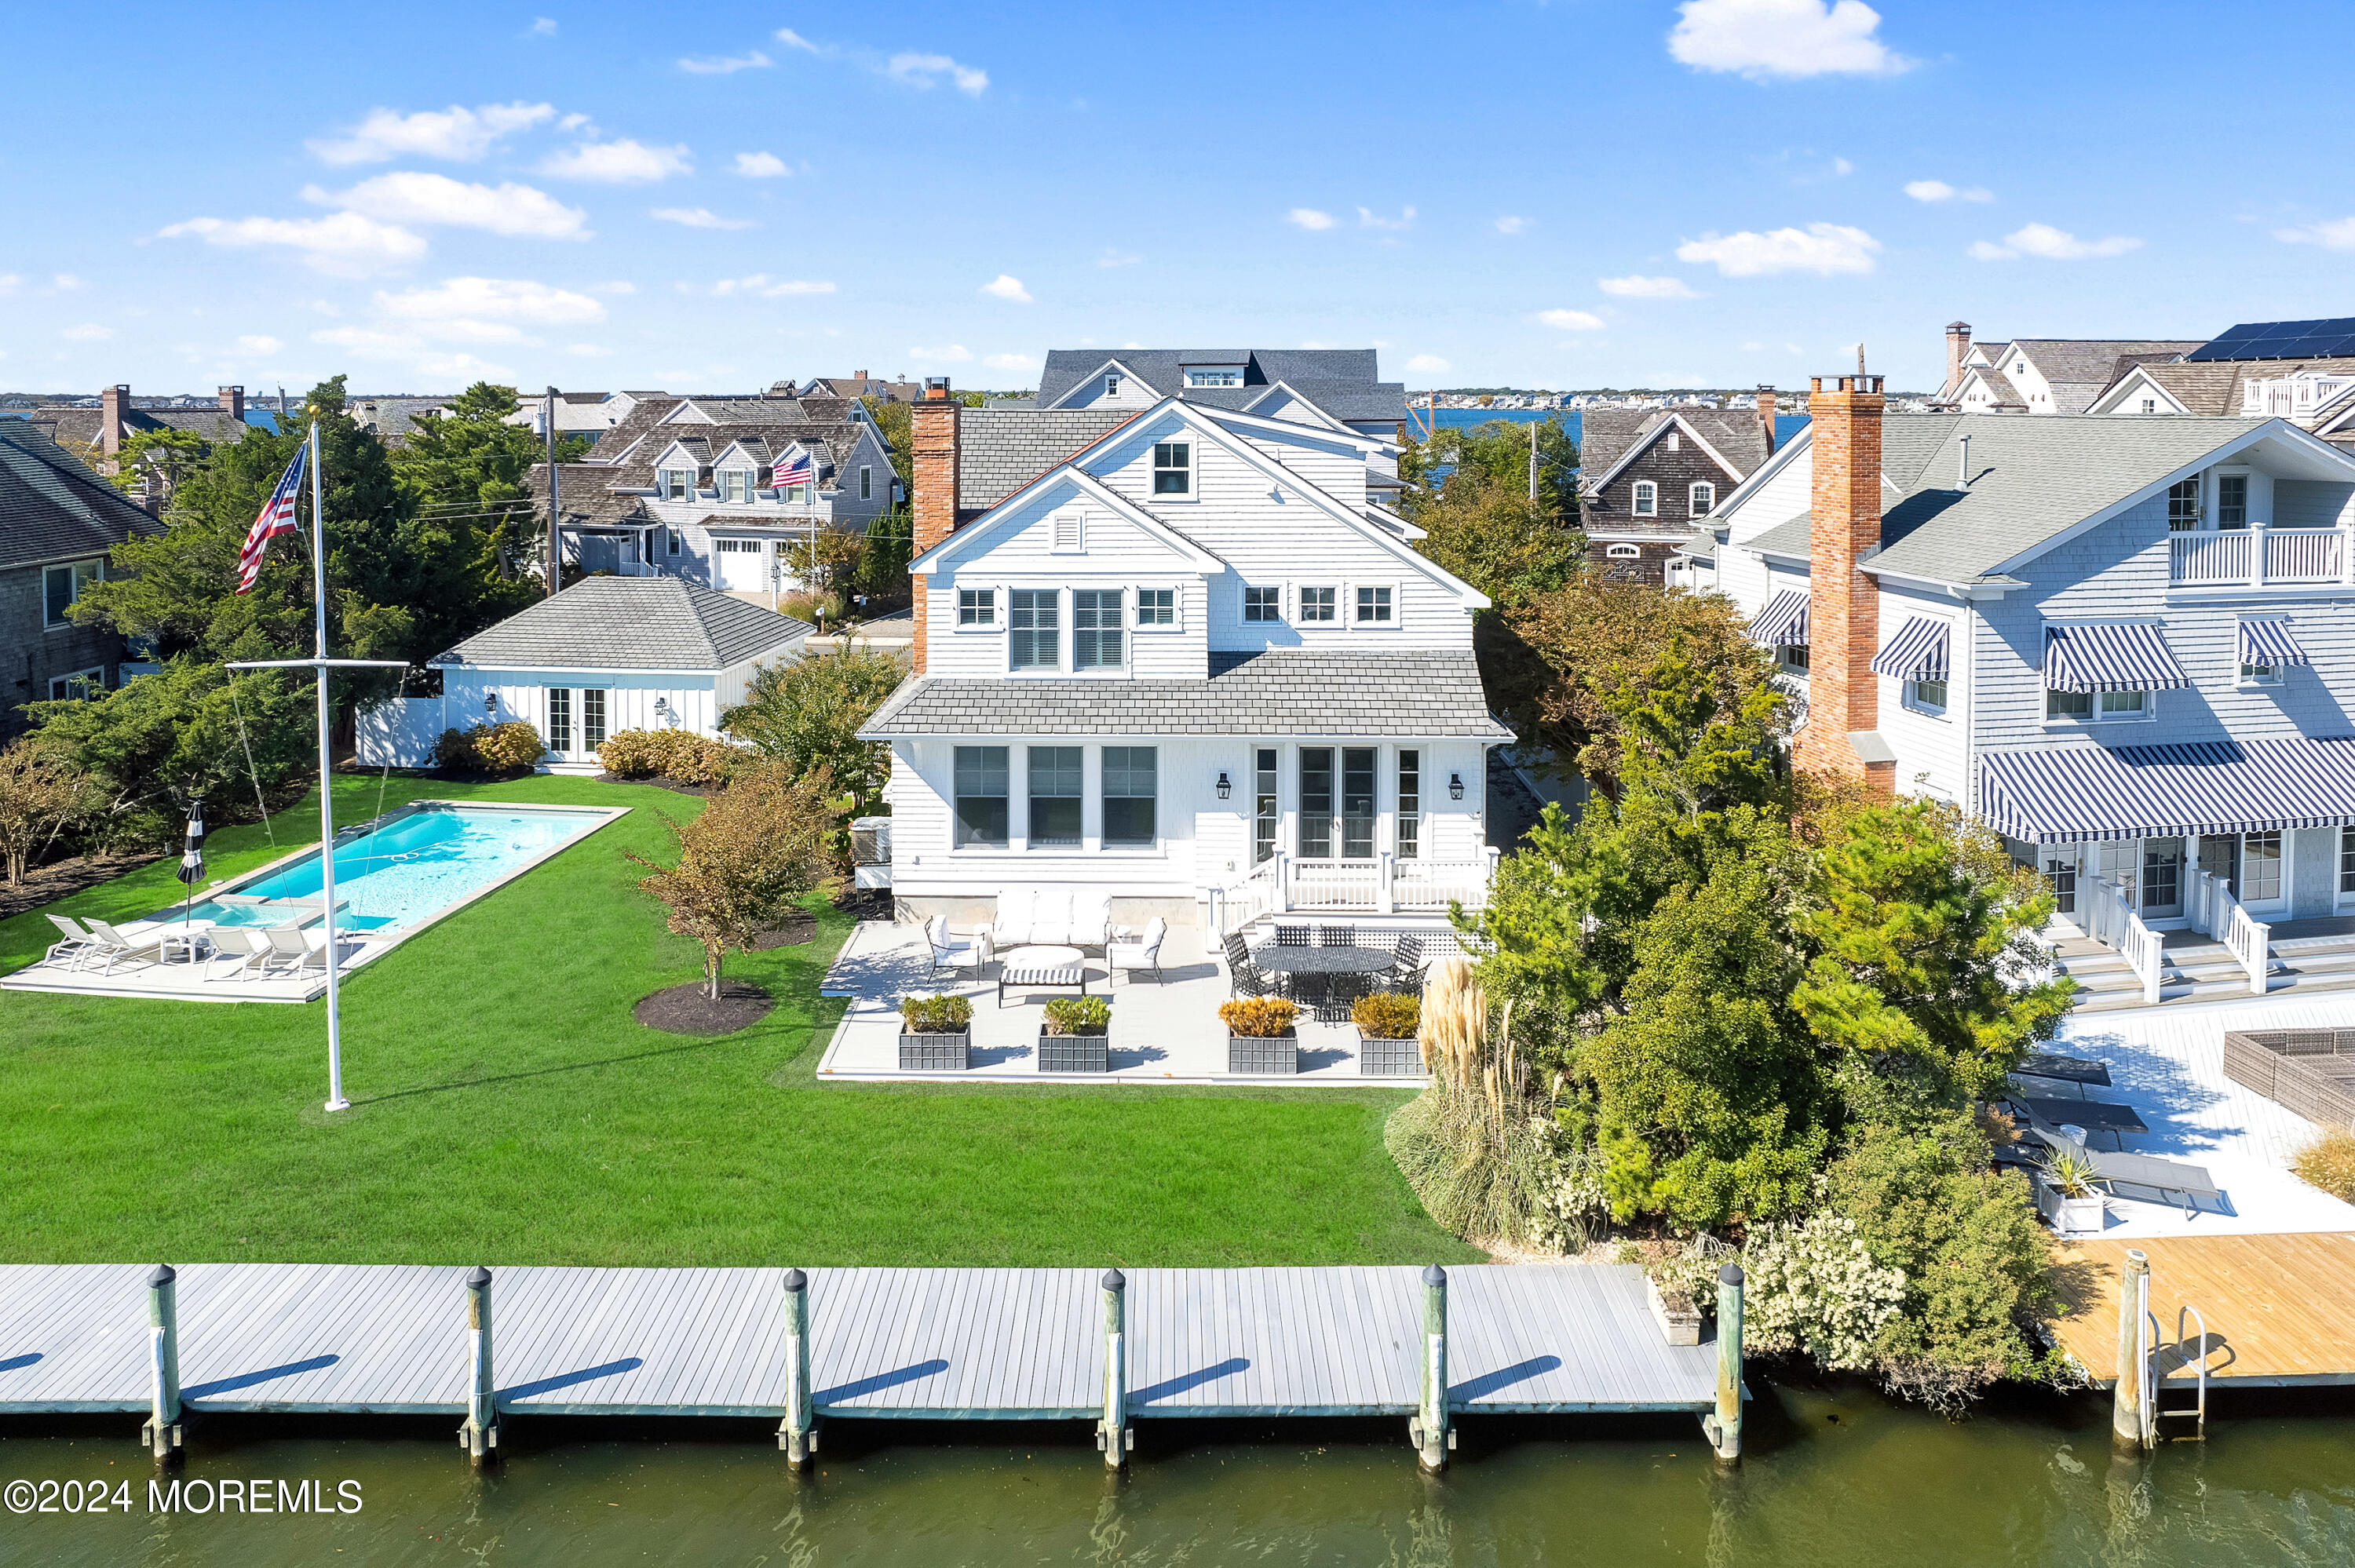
<point x="1295" y="597"/>
<point x="98" y="575"/>
<point x="1192" y="494"/>
<point x="2248" y="682"/>
<point x="1635" y="507"/>
<point x="1061" y="666"/>
<point x="1692" y="498"/>
<point x="1112" y="383"/>
<point x="95" y="675"/>
<point x="1624" y="553"/>
<point x="1069" y="628"/>
<point x="994" y="627"/>
<point x="1283" y="604"/>
<point x="1177" y="592"/>
<point x="1348" y="606"/>
<point x="2149" y="714"/>
<point x="1910" y="699"/>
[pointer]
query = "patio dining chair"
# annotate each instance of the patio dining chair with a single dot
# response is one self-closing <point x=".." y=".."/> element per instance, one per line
<point x="1406" y="970"/>
<point x="1244" y="975"/>
<point x="113" y="945"/>
<point x="1292" y="936"/>
<point x="1336" y="936"/>
<point x="77" y="946"/>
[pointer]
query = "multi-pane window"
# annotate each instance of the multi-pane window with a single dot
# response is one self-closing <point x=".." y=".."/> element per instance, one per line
<point x="81" y="685"/>
<point x="1792" y="656"/>
<point x="735" y="485"/>
<point x="1263" y="767"/>
<point x="60" y="586"/>
<point x="1131" y="776"/>
<point x="1358" y="802"/>
<point x="1055" y="793"/>
<point x="1410" y="804"/>
<point x="2061" y="876"/>
<point x="1214" y="375"/>
<point x="1156" y="607"/>
<point x="2261" y="675"/>
<point x="1173" y="468"/>
<point x="2183" y="505"/>
<point x="559" y="719"/>
<point x="1373" y="605"/>
<point x="1930" y="695"/>
<point x="865" y="481"/>
<point x="1112" y="385"/>
<point x="1263" y="604"/>
<point x="1317" y="604"/>
<point x="2124" y="705"/>
<point x="2233" y="501"/>
<point x="592" y="717"/>
<point x="1095" y="629"/>
<point x="2347" y="858"/>
<point x="1703" y="498"/>
<point x="1315" y="803"/>
<point x="2261" y="867"/>
<point x="674" y="483"/>
<point x="981" y="796"/>
<point x="1034" y="636"/>
<point x="2162" y="876"/>
<point x="2068" y="704"/>
<point x="676" y="541"/>
<point x="977" y="607"/>
<point x="1646" y="499"/>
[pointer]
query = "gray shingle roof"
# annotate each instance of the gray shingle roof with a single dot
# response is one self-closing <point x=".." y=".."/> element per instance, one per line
<point x="999" y="451"/>
<point x="2079" y="367"/>
<point x="52" y="506"/>
<point x="2033" y="477"/>
<point x="79" y="431"/>
<point x="632" y="623"/>
<point x="1427" y="693"/>
<point x="1341" y="381"/>
<point x="1606" y="435"/>
<point x="586" y="489"/>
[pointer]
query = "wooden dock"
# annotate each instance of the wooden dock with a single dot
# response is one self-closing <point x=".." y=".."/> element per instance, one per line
<point x="907" y="1343"/>
<point x="2284" y="1306"/>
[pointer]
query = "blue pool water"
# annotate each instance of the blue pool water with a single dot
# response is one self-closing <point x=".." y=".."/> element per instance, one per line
<point x="410" y="867"/>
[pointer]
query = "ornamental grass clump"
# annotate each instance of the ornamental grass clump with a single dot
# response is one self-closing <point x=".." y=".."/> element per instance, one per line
<point x="1257" y="1017"/>
<point x="943" y="1014"/>
<point x="2328" y="1162"/>
<point x="1078" y="1015"/>
<point x="1387" y="1015"/>
<point x="1477" y="1147"/>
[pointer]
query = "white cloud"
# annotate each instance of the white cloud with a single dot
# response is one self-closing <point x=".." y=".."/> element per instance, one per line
<point x="2336" y="235"/>
<point x="1635" y="286"/>
<point x="1767" y="39"/>
<point x="1571" y="320"/>
<point x="1010" y="361"/>
<point x="1842" y="167"/>
<point x="760" y="166"/>
<point x="412" y="196"/>
<point x="1510" y="225"/>
<point x="343" y="243"/>
<point x="617" y="162"/>
<point x="2050" y="244"/>
<point x="10" y="282"/>
<point x="698" y="218"/>
<point x="487" y="310"/>
<point x="724" y="65"/>
<point x="459" y="134"/>
<point x="1007" y="286"/>
<point x="926" y="71"/>
<point x="1939" y="190"/>
<point x="258" y="345"/>
<point x="89" y="332"/>
<point x="542" y="27"/>
<point x="1114" y="257"/>
<point x="1367" y="220"/>
<point x="794" y="40"/>
<point x="1427" y="363"/>
<point x="766" y="287"/>
<point x="360" y="340"/>
<point x="1821" y="248"/>
<point x="65" y="284"/>
<point x="1309" y="218"/>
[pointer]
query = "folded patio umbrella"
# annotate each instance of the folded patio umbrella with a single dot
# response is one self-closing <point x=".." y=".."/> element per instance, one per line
<point x="192" y="859"/>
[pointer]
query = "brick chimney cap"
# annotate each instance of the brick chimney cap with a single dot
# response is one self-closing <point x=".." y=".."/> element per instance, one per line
<point x="1962" y="327"/>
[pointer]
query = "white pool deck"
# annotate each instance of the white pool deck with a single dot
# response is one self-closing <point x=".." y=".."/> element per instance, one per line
<point x="2168" y="1064"/>
<point x="1161" y="1034"/>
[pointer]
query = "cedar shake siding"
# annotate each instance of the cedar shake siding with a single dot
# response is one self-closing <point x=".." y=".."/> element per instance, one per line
<point x="1671" y="451"/>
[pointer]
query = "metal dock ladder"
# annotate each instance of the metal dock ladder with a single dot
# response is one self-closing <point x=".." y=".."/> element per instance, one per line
<point x="2163" y="1367"/>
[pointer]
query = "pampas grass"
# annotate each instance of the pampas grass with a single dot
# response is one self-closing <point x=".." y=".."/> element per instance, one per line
<point x="1471" y="1146"/>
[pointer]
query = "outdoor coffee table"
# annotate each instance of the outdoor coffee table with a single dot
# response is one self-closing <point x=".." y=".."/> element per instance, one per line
<point x="1310" y="972"/>
<point x="1032" y="969"/>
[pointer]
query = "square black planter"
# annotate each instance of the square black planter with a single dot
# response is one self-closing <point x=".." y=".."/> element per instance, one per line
<point x="1074" y="1053"/>
<point x="935" y="1052"/>
<point x="1380" y="1058"/>
<point x="1258" y="1053"/>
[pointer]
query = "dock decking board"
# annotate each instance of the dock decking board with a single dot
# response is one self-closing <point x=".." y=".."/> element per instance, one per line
<point x="2285" y="1303"/>
<point x="918" y="1343"/>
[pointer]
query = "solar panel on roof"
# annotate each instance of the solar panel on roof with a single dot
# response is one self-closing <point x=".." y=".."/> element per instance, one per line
<point x="2331" y="338"/>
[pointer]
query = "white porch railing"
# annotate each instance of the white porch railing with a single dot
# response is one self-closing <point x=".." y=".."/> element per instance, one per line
<point x="2214" y="912"/>
<point x="2103" y="912"/>
<point x="1384" y="886"/>
<point x="2258" y="555"/>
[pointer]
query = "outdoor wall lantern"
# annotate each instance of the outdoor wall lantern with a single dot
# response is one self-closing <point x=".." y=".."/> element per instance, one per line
<point x="1225" y="788"/>
<point x="490" y="702"/>
<point x="662" y="707"/>
<point x="1456" y="786"/>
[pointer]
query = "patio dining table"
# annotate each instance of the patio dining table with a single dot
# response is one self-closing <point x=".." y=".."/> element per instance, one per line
<point x="1319" y="976"/>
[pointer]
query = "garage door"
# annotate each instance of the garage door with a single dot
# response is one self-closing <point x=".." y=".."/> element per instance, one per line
<point x="744" y="563"/>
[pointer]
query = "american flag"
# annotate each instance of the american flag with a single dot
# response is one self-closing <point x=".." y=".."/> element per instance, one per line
<point x="277" y="517"/>
<point x="796" y="472"/>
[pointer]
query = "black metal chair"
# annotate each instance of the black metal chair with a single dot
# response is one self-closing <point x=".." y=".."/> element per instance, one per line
<point x="1246" y="977"/>
<point x="1407" y="968"/>
<point x="1336" y="936"/>
<point x="1292" y="936"/>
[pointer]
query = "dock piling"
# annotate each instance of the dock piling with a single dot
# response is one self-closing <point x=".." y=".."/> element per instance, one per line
<point x="480" y="1435"/>
<point x="1429" y="1431"/>
<point x="797" y="1436"/>
<point x="163" y="1432"/>
<point x="2129" y="1432"/>
<point x="1724" y="1425"/>
<point x="1114" y="1437"/>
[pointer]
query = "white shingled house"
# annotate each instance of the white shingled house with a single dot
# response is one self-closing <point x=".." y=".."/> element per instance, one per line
<point x="607" y="654"/>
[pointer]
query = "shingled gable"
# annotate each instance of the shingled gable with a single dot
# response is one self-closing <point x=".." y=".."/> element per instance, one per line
<point x="999" y="518"/>
<point x="53" y="506"/>
<point x="631" y="623"/>
<point x="1645" y="439"/>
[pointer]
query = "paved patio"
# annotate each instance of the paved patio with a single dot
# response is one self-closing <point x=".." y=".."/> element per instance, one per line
<point x="1164" y="1034"/>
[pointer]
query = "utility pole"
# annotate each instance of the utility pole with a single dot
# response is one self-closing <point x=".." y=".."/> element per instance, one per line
<point x="1533" y="462"/>
<point x="555" y="534"/>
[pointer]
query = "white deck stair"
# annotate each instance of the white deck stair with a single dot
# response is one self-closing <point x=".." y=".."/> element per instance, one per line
<point x="2307" y="957"/>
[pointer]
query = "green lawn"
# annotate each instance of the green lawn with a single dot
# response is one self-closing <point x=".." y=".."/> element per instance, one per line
<point x="507" y="1107"/>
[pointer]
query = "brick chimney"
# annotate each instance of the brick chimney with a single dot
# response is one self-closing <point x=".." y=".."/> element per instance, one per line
<point x="1959" y="346"/>
<point x="1768" y="405"/>
<point x="1841" y="737"/>
<point x="933" y="459"/>
<point x="114" y="406"/>
<point x="232" y="402"/>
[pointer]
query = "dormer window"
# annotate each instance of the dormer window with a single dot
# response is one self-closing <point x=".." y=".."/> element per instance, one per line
<point x="1173" y="468"/>
<point x="1645" y="502"/>
<point x="1112" y="385"/>
<point x="735" y="485"/>
<point x="1214" y="375"/>
<point x="673" y="483"/>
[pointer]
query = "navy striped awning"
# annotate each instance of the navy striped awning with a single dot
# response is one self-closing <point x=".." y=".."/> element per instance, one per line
<point x="1784" y="622"/>
<point x="2269" y="642"/>
<point x="2082" y="794"/>
<point x="1918" y="651"/>
<point x="2110" y="659"/>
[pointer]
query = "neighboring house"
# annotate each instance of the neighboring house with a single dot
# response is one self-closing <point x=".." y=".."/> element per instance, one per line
<point x="730" y="492"/>
<point x="2300" y="371"/>
<point x="860" y="386"/>
<point x="608" y="654"/>
<point x="58" y="519"/>
<point x="96" y="430"/>
<point x="1337" y="387"/>
<point x="1167" y="652"/>
<point x="588" y="414"/>
<point x="1650" y="478"/>
<point x="2040" y="375"/>
<point x="390" y="417"/>
<point x="2123" y="644"/>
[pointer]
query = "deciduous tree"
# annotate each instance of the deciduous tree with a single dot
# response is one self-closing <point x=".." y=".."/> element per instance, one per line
<point x="807" y="711"/>
<point x="759" y="847"/>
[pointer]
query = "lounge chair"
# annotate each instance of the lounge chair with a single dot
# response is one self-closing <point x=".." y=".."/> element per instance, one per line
<point x="290" y="947"/>
<point x="2094" y="1115"/>
<point x="241" y="943"/>
<point x="113" y="945"/>
<point x="2168" y="1178"/>
<point x="1142" y="954"/>
<point x="77" y="944"/>
<point x="2078" y="1070"/>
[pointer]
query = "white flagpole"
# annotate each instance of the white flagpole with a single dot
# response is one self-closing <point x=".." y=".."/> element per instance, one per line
<point x="335" y="1100"/>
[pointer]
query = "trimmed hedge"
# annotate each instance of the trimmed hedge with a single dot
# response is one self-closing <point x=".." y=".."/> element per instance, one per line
<point x="677" y="754"/>
<point x="511" y="748"/>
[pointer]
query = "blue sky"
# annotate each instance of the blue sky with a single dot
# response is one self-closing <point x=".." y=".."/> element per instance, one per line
<point x="1564" y="195"/>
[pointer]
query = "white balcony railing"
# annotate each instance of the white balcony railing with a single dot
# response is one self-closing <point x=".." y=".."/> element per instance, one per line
<point x="2259" y="557"/>
<point x="2292" y="397"/>
<point x="1384" y="886"/>
<point x="2107" y="918"/>
<point x="2212" y="911"/>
